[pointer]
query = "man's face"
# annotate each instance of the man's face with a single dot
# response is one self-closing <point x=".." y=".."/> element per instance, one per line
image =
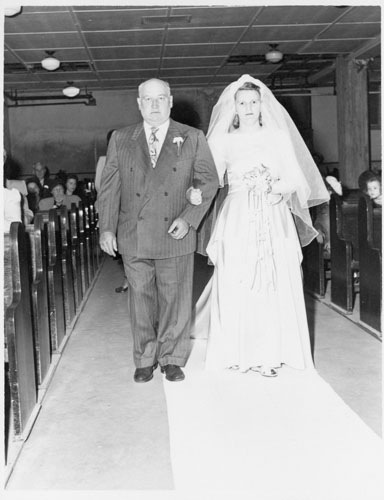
<point x="33" y="188"/>
<point x="38" y="170"/>
<point x="154" y="102"/>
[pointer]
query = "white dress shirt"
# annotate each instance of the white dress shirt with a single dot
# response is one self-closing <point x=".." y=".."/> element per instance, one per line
<point x="160" y="134"/>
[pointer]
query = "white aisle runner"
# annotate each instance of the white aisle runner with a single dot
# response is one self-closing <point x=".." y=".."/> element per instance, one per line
<point x="284" y="438"/>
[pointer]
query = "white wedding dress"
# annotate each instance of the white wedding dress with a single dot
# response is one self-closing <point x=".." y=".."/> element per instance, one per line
<point x="252" y="310"/>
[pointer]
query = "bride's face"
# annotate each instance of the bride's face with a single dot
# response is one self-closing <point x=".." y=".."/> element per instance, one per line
<point x="247" y="104"/>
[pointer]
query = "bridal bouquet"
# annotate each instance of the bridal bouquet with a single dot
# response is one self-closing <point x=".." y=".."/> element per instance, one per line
<point x="259" y="179"/>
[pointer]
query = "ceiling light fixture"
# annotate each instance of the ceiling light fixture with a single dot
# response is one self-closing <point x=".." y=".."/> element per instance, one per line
<point x="274" y="55"/>
<point x="11" y="11"/>
<point x="50" y="63"/>
<point x="71" y="90"/>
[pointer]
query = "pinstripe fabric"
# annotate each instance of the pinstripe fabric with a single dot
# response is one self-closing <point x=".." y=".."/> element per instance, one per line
<point x="160" y="315"/>
<point x="140" y="203"/>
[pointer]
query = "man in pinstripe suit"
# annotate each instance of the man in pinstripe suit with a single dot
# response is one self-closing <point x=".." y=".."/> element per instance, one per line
<point x="149" y="167"/>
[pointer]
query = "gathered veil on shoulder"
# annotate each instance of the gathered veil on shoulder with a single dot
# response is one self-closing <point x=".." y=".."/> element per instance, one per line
<point x="310" y="188"/>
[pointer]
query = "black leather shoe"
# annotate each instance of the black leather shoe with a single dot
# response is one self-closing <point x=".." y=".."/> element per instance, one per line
<point x="121" y="289"/>
<point x="144" y="374"/>
<point x="173" y="373"/>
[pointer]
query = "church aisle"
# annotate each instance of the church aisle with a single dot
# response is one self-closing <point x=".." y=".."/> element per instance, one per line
<point x="290" y="437"/>
<point x="98" y="430"/>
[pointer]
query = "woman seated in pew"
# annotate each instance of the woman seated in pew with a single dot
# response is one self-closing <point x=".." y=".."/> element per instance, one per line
<point x="58" y="198"/>
<point x="74" y="187"/>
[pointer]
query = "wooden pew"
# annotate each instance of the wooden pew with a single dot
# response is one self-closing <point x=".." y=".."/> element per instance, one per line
<point x="344" y="249"/>
<point x="19" y="339"/>
<point x="314" y="268"/>
<point x="89" y="243"/>
<point x="55" y="282"/>
<point x="370" y="230"/>
<point x="75" y="256"/>
<point x="66" y="265"/>
<point x="39" y="293"/>
<point x="95" y="235"/>
<point x="82" y="247"/>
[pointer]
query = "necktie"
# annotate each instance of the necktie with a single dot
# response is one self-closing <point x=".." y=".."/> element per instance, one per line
<point x="153" y="144"/>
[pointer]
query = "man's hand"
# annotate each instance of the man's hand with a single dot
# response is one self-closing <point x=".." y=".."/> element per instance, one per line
<point x="194" y="196"/>
<point x="178" y="229"/>
<point x="108" y="243"/>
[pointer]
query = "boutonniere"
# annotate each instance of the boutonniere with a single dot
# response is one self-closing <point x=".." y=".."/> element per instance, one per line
<point x="179" y="141"/>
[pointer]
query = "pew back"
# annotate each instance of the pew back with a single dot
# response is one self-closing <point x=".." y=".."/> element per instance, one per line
<point x="370" y="231"/>
<point x="344" y="248"/>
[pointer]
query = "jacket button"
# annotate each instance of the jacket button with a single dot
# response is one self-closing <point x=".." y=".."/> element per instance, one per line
<point x="166" y="219"/>
<point x="138" y="194"/>
<point x="165" y="194"/>
<point x="174" y="169"/>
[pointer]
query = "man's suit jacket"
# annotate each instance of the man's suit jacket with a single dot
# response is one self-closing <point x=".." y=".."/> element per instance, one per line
<point x="140" y="202"/>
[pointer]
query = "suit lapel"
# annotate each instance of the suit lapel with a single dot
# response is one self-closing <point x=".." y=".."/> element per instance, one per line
<point x="167" y="157"/>
<point x="141" y="147"/>
<point x="156" y="177"/>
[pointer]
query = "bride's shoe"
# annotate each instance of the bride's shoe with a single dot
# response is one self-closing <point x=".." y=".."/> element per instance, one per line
<point x="265" y="371"/>
<point x="233" y="367"/>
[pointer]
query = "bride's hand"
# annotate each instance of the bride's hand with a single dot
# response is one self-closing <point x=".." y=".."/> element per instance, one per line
<point x="194" y="196"/>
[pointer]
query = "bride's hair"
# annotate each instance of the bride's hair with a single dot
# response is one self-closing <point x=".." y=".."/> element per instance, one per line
<point x="249" y="86"/>
<point x="245" y="86"/>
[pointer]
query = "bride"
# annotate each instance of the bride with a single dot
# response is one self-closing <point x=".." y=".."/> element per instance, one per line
<point x="253" y="307"/>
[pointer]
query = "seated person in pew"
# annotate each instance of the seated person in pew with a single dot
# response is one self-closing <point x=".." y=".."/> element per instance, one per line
<point x="374" y="190"/>
<point x="58" y="198"/>
<point x="374" y="179"/>
<point x="34" y="193"/>
<point x="75" y="187"/>
<point x="321" y="220"/>
<point x="10" y="174"/>
<point x="12" y="207"/>
<point x="42" y="173"/>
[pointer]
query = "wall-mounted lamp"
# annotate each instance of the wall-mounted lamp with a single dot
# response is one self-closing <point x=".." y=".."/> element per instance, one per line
<point x="274" y="55"/>
<point x="71" y="90"/>
<point x="50" y="63"/>
<point x="12" y="10"/>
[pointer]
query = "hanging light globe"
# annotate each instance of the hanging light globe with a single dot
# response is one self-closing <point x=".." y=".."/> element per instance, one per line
<point x="274" y="55"/>
<point x="71" y="90"/>
<point x="12" y="10"/>
<point x="50" y="63"/>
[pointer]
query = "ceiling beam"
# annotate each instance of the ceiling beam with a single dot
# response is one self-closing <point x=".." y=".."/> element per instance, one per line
<point x="371" y="44"/>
